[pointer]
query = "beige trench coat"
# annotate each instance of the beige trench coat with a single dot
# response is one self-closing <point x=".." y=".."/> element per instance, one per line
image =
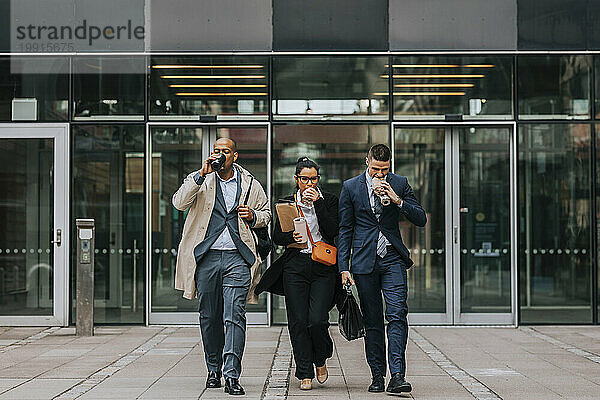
<point x="200" y="200"/>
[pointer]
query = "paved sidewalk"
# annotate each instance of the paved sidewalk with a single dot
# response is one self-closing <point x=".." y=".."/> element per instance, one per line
<point x="167" y="363"/>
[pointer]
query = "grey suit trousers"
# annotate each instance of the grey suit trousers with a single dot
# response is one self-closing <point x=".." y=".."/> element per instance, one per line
<point x="222" y="281"/>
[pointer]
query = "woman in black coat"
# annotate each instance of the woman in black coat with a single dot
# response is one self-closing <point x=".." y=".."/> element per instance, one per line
<point x="309" y="287"/>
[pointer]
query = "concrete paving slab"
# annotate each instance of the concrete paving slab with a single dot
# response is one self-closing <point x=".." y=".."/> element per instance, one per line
<point x="7" y="384"/>
<point x="513" y="363"/>
<point x="39" y="389"/>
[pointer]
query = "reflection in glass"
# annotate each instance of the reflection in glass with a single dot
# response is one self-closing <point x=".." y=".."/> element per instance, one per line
<point x="553" y="87"/>
<point x="194" y="86"/>
<point x="474" y="87"/>
<point x="485" y="254"/>
<point x="554" y="228"/>
<point x="177" y="151"/>
<point x="27" y="218"/>
<point x="43" y="81"/>
<point x="108" y="86"/>
<point x="330" y="86"/>
<point x="340" y="150"/>
<point x="108" y="185"/>
<point x="598" y="215"/>
<point x="597" y="85"/>
<point x="252" y="155"/>
<point x="419" y="155"/>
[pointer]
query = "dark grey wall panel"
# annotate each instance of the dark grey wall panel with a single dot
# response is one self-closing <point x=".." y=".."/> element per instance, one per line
<point x="217" y="25"/>
<point x="593" y="22"/>
<point x="5" y="25"/>
<point x="330" y="25"/>
<point x="453" y="25"/>
<point x="553" y="24"/>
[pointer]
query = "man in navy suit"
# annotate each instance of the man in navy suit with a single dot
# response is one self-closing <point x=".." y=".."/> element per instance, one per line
<point x="379" y="261"/>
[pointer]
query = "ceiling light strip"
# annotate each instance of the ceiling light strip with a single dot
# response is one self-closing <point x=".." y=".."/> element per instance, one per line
<point x="217" y="86"/>
<point x="441" y="66"/>
<point x="207" y="66"/>
<point x="220" y="94"/>
<point x="435" y="85"/>
<point x="212" y="76"/>
<point x="421" y="94"/>
<point x="411" y="76"/>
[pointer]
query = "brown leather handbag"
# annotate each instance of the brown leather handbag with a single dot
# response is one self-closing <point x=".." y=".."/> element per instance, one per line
<point x="321" y="252"/>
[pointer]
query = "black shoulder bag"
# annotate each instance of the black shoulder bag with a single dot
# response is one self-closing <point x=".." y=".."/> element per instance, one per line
<point x="262" y="240"/>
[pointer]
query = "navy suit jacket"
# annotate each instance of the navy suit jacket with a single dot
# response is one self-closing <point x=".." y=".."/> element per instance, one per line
<point x="359" y="227"/>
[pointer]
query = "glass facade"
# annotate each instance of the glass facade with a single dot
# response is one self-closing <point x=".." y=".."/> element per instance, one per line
<point x="555" y="257"/>
<point x="488" y="143"/>
<point x="484" y="222"/>
<point x="352" y="87"/>
<point x="108" y="88"/>
<point x="554" y="87"/>
<point x="176" y="152"/>
<point x="26" y="217"/>
<point x="420" y="156"/>
<point x="37" y="86"/>
<point x="189" y="87"/>
<point x="432" y="87"/>
<point x="108" y="185"/>
<point x="340" y="152"/>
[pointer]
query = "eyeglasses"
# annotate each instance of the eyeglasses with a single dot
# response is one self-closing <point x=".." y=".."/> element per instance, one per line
<point x="305" y="179"/>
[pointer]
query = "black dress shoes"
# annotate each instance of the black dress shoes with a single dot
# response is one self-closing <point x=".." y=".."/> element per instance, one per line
<point x="398" y="384"/>
<point x="233" y="387"/>
<point x="377" y="384"/>
<point x="213" y="380"/>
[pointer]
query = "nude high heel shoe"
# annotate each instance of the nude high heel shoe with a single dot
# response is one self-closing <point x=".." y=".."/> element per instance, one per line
<point x="306" y="384"/>
<point x="322" y="374"/>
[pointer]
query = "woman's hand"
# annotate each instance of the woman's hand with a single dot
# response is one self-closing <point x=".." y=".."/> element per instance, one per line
<point x="311" y="193"/>
<point x="298" y="237"/>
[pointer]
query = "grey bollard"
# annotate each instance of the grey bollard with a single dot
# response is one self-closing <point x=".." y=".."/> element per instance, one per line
<point x="86" y="234"/>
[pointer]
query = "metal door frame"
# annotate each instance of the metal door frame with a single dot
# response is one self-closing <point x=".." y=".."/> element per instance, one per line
<point x="191" y="318"/>
<point x="59" y="132"/>
<point x="453" y="316"/>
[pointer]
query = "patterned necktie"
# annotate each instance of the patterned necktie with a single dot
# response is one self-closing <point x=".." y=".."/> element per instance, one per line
<point x="377" y="206"/>
<point x="381" y="242"/>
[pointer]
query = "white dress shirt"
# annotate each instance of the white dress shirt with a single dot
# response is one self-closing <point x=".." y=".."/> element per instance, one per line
<point x="229" y="189"/>
<point x="311" y="220"/>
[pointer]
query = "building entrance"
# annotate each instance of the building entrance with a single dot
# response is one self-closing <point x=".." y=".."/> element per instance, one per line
<point x="34" y="204"/>
<point x="464" y="175"/>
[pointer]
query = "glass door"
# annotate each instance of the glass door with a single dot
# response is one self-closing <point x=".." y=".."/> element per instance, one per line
<point x="34" y="171"/>
<point x="483" y="210"/>
<point x="177" y="150"/>
<point x="463" y="175"/>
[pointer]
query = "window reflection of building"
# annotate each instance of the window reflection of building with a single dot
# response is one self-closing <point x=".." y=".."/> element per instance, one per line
<point x="555" y="231"/>
<point x="420" y="156"/>
<point x="193" y="86"/>
<point x="340" y="151"/>
<point x="178" y="151"/>
<point x="108" y="170"/>
<point x="340" y="85"/>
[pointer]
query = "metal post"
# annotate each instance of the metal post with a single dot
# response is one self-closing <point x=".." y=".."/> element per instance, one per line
<point x="86" y="234"/>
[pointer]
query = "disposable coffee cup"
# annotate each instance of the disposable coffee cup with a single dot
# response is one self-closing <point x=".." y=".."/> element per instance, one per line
<point x="385" y="199"/>
<point x="300" y="226"/>
<point x="217" y="164"/>
<point x="376" y="183"/>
